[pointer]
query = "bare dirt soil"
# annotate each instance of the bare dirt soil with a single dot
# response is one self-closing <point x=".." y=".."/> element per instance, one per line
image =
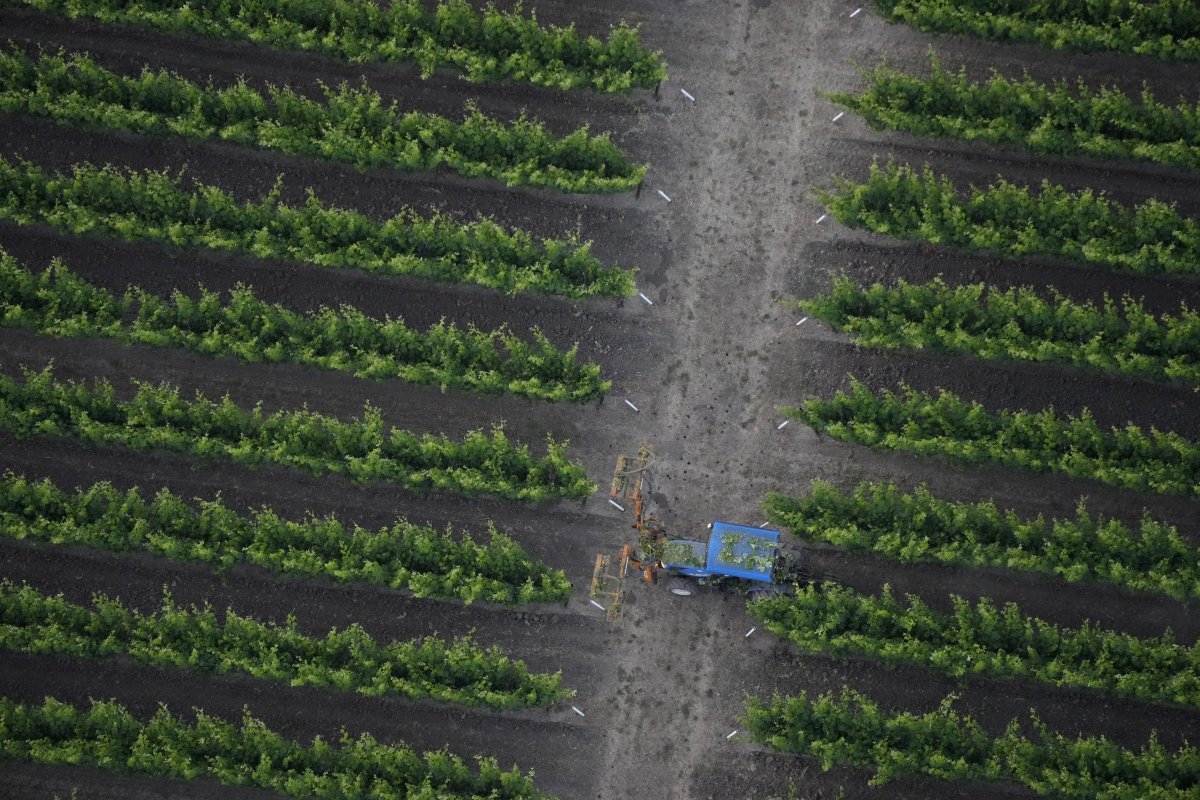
<point x="707" y="365"/>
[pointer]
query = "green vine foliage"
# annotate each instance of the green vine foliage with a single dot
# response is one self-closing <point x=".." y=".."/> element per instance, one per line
<point x="850" y="728"/>
<point x="484" y="45"/>
<point x="418" y="559"/>
<point x="199" y="640"/>
<point x="984" y="639"/>
<point x="1057" y="119"/>
<point x="154" y="206"/>
<point x="349" y="125"/>
<point x="108" y="737"/>
<point x="1167" y="29"/>
<point x="1016" y="324"/>
<point x="897" y="200"/>
<point x="61" y="303"/>
<point x="1034" y="441"/>
<point x="159" y="418"/>
<point x="920" y="527"/>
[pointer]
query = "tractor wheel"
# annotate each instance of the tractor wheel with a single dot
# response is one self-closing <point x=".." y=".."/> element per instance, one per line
<point x="681" y="587"/>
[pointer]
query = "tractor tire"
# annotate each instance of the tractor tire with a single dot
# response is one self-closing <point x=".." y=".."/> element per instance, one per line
<point x="681" y="587"/>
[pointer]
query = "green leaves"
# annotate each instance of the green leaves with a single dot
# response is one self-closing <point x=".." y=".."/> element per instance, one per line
<point x="1151" y="238"/>
<point x="1016" y="324"/>
<point x="250" y="754"/>
<point x="986" y="639"/>
<point x="1055" y="119"/>
<point x="919" y="527"/>
<point x="61" y="303"/>
<point x="484" y="45"/>
<point x="349" y="125"/>
<point x="415" y="558"/>
<point x="159" y="418"/>
<point x="1162" y="28"/>
<point x="154" y="206"/>
<point x="1040" y="441"/>
<point x="197" y="639"/>
<point x="850" y="728"/>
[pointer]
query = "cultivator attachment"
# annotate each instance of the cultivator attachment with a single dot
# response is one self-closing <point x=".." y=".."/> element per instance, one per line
<point x="608" y="581"/>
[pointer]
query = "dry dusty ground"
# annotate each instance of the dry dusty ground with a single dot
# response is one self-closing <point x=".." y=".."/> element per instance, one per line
<point x="707" y="364"/>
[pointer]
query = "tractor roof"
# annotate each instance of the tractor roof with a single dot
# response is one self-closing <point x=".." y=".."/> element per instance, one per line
<point x="741" y="551"/>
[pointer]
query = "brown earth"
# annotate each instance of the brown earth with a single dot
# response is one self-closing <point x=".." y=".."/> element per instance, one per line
<point x="707" y="364"/>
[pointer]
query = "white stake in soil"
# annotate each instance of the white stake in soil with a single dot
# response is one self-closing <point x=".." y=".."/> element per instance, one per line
<point x="731" y="735"/>
<point x="783" y="424"/>
<point x="577" y="711"/>
<point x="857" y="11"/>
<point x="752" y="630"/>
<point x="649" y="302"/>
<point x="615" y="505"/>
<point x="597" y="605"/>
<point x="839" y="116"/>
<point x="631" y="405"/>
<point x="821" y="218"/>
<point x="663" y="195"/>
<point x="688" y="95"/>
<point x="801" y="322"/>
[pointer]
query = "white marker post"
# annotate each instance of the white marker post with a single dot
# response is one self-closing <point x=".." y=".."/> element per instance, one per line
<point x="765" y="524"/>
<point x="857" y="11"/>
<point x="597" y="605"/>
<point x="631" y="405"/>
<point x="688" y="95"/>
<point x="752" y="630"/>
<point x="783" y="424"/>
<point x="614" y="504"/>
<point x="649" y="302"/>
<point x="663" y="195"/>
<point x="731" y="735"/>
<point x="801" y="322"/>
<point x="839" y="116"/>
<point x="577" y="711"/>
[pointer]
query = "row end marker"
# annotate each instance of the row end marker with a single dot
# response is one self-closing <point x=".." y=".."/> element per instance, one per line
<point x="663" y="195"/>
<point x="649" y="302"/>
<point x="857" y="11"/>
<point x="783" y="424"/>
<point x="801" y="322"/>
<point x="631" y="405"/>
<point x="688" y="95"/>
<point x="615" y="505"/>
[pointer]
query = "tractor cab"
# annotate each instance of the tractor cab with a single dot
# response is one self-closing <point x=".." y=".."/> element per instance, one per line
<point x="753" y="556"/>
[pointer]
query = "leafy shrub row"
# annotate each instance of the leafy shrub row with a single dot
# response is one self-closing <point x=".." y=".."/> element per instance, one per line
<point x="1016" y="324"/>
<point x="1053" y="119"/>
<point x="1035" y="441"/>
<point x="108" y="737"/>
<point x="350" y="125"/>
<point x="158" y="418"/>
<point x="852" y="729"/>
<point x="419" y="559"/>
<point x="899" y="201"/>
<point x="157" y="207"/>
<point x="61" y="303"/>
<point x="484" y="45"/>
<point x="983" y="639"/>
<point x="919" y="527"/>
<point x="197" y="639"/>
<point x="1162" y="28"/>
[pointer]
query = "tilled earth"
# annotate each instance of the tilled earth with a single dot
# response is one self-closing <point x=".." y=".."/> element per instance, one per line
<point x="707" y="365"/>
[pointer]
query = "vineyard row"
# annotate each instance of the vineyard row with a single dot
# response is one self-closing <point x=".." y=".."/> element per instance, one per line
<point x="852" y="729"/>
<point x="1034" y="441"/>
<point x="1016" y="324"/>
<point x="897" y="200"/>
<point x="349" y="125"/>
<point x="108" y="737"/>
<point x="158" y="418"/>
<point x="61" y="303"/>
<point x="983" y="639"/>
<point x="197" y="639"/>
<point x="154" y="206"/>
<point x="484" y="45"/>
<point x="414" y="558"/>
<point x="1162" y="28"/>
<point x="1055" y="119"/>
<point x="919" y="527"/>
